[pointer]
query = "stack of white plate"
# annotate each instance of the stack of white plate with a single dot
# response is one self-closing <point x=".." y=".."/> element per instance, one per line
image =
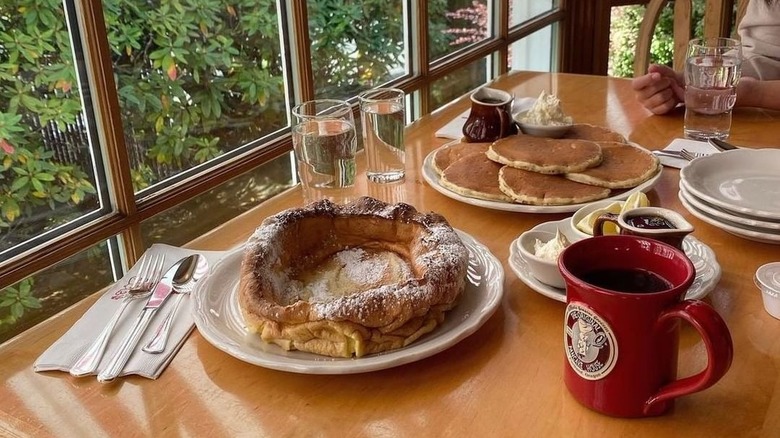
<point x="737" y="191"/>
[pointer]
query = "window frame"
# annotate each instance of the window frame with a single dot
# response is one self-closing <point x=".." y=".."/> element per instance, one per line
<point x="129" y="209"/>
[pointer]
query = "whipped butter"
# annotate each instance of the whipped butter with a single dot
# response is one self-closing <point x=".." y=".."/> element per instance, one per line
<point x="546" y="111"/>
<point x="551" y="249"/>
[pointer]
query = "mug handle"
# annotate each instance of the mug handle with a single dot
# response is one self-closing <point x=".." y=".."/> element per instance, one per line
<point x="720" y="351"/>
<point x="506" y="121"/>
<point x="598" y="225"/>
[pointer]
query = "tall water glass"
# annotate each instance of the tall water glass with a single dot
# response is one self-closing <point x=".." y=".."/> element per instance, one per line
<point x="325" y="144"/>
<point x="712" y="70"/>
<point x="382" y="114"/>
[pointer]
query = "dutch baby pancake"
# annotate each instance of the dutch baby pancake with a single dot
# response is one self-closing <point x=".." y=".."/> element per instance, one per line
<point x="350" y="280"/>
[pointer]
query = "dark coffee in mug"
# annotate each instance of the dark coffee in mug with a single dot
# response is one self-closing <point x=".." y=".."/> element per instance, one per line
<point x="490" y="101"/>
<point x="630" y="280"/>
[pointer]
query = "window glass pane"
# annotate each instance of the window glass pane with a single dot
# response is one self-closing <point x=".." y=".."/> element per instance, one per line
<point x="458" y="83"/>
<point x="356" y="45"/>
<point x="524" y="10"/>
<point x="455" y="24"/>
<point x="536" y="52"/>
<point x="47" y="172"/>
<point x="179" y="225"/>
<point x="52" y="290"/>
<point x="195" y="80"/>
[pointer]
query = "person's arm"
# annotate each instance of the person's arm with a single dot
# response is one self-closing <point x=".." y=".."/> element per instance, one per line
<point x="758" y="94"/>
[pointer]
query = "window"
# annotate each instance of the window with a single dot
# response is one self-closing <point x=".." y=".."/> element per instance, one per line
<point x="535" y="52"/>
<point x="124" y="124"/>
<point x="357" y="45"/>
<point x="457" y="24"/>
<point x="524" y="10"/>
<point x="459" y="82"/>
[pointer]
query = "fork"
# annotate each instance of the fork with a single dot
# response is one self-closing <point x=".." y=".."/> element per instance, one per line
<point x="683" y="153"/>
<point x="139" y="286"/>
<point x="688" y="155"/>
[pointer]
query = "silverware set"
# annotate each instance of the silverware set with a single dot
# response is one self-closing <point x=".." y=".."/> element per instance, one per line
<point x="150" y="281"/>
<point x="682" y="153"/>
<point x="720" y="145"/>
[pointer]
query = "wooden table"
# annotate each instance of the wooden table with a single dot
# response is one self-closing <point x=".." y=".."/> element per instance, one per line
<point x="504" y="380"/>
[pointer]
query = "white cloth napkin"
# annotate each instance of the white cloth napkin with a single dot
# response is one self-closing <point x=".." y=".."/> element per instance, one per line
<point x="64" y="352"/>
<point x="454" y="129"/>
<point x="679" y="144"/>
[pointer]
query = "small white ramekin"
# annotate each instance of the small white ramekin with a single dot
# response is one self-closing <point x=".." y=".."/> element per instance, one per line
<point x="767" y="279"/>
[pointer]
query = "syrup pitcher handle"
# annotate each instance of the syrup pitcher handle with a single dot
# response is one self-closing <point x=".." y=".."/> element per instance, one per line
<point x="717" y="340"/>
<point x="506" y="122"/>
<point x="598" y="225"/>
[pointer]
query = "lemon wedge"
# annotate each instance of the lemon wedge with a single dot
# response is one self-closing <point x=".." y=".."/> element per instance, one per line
<point x="586" y="224"/>
<point x="636" y="200"/>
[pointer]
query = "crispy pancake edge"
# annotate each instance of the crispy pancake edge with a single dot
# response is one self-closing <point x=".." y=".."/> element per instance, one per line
<point x="587" y="177"/>
<point x="558" y="200"/>
<point x="549" y="169"/>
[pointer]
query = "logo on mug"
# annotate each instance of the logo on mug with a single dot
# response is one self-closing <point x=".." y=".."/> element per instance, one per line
<point x="590" y="343"/>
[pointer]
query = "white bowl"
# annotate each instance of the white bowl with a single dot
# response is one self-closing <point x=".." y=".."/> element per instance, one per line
<point x="546" y="271"/>
<point x="551" y="131"/>
<point x="767" y="279"/>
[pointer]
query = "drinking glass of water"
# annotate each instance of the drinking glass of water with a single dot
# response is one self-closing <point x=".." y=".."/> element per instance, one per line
<point x="712" y="70"/>
<point x="382" y="114"/>
<point x="325" y="144"/>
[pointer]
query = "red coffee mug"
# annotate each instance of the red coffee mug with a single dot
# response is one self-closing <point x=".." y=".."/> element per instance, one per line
<point x="624" y="299"/>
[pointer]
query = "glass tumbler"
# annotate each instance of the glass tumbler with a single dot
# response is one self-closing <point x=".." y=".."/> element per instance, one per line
<point x="712" y="70"/>
<point x="382" y="114"/>
<point x="325" y="143"/>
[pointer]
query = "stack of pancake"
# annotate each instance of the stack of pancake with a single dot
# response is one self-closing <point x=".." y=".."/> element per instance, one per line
<point x="587" y="164"/>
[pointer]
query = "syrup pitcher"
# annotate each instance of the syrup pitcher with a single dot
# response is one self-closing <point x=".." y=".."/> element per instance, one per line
<point x="652" y="222"/>
<point x="490" y="117"/>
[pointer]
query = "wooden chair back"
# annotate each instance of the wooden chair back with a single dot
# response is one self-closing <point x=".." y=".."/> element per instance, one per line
<point x="717" y="22"/>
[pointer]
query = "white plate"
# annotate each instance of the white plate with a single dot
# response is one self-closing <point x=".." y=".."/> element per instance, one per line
<point x="219" y="320"/>
<point x="430" y="175"/>
<point x="707" y="267"/>
<point x="744" y="181"/>
<point x="732" y="211"/>
<point x="723" y="214"/>
<point x="750" y="233"/>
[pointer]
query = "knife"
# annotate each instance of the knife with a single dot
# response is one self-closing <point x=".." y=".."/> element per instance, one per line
<point x="160" y="293"/>
<point x="722" y="145"/>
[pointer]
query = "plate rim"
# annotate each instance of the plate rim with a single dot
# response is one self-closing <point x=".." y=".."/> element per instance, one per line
<point x="718" y="214"/>
<point x="736" y="231"/>
<point x="433" y="178"/>
<point x="686" y="178"/>
<point x="475" y="318"/>
<point x="560" y="294"/>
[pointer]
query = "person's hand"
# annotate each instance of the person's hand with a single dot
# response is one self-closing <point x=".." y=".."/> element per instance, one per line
<point x="660" y="90"/>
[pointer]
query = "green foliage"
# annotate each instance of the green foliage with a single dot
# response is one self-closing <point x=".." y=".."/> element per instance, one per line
<point x="355" y="45"/>
<point x="35" y="84"/>
<point x="625" y="28"/>
<point x="15" y="300"/>
<point x="194" y="78"/>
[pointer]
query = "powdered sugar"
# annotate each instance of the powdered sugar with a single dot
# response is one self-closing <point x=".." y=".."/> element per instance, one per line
<point x="361" y="284"/>
<point x="360" y="267"/>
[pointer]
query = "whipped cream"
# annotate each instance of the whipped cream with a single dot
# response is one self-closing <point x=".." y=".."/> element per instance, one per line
<point x="546" y="111"/>
<point x="551" y="249"/>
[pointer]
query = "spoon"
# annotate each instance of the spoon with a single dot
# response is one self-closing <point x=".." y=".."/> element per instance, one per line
<point x="176" y="274"/>
<point x="183" y="287"/>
